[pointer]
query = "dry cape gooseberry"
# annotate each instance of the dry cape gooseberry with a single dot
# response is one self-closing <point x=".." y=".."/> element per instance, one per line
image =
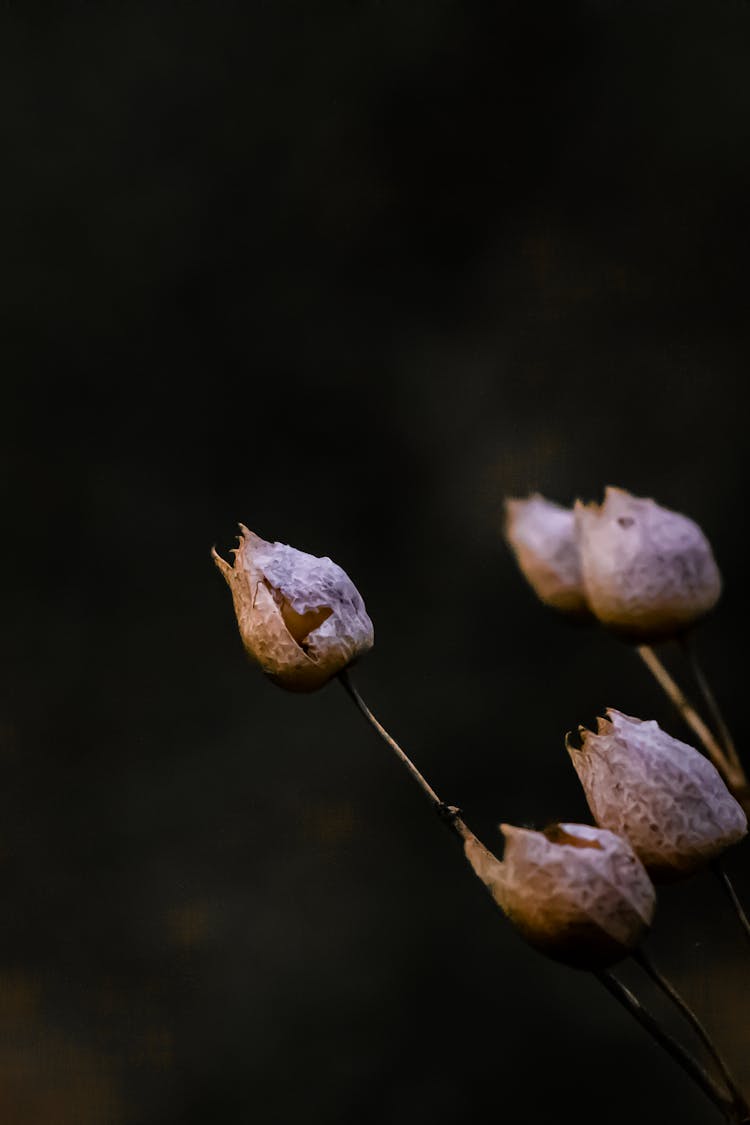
<point x="648" y="573"/>
<point x="668" y="800"/>
<point x="577" y="893"/>
<point x="543" y="538"/>
<point x="300" y="617"/>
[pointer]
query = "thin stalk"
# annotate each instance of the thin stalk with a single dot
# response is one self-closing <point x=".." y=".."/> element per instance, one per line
<point x="451" y="816"/>
<point x="689" y="1064"/>
<point x="642" y="958"/>
<point x="731" y="774"/>
<point x="688" y="645"/>
<point x="731" y="894"/>
<point x="448" y="813"/>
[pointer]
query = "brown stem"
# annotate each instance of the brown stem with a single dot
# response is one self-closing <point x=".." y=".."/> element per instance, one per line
<point x="734" y="777"/>
<point x="682" y="1005"/>
<point x="689" y="1064"/>
<point x="449" y="814"/>
<point x="687" y="642"/>
<point x="731" y="894"/>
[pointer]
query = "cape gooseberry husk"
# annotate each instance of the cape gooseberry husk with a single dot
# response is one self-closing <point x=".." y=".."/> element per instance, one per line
<point x="301" y="618"/>
<point x="648" y="572"/>
<point x="577" y="893"/>
<point x="668" y="800"/>
<point x="543" y="538"/>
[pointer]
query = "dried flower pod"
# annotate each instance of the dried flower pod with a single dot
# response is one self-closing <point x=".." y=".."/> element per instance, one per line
<point x="667" y="799"/>
<point x="577" y="893"/>
<point x="300" y="617"/>
<point x="543" y="538"/>
<point x="648" y="572"/>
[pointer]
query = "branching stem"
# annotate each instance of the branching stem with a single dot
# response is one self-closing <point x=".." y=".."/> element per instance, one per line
<point x="734" y="777"/>
<point x="642" y="958"/>
<point x="451" y="816"/>
<point x="709" y="1085"/>
<point x="689" y="647"/>
<point x="731" y="894"/>
<point x="448" y="813"/>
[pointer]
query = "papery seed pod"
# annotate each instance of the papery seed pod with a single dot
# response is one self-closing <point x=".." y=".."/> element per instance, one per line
<point x="300" y="617"/>
<point x="667" y="799"/>
<point x="543" y="538"/>
<point x="648" y="572"/>
<point x="577" y="893"/>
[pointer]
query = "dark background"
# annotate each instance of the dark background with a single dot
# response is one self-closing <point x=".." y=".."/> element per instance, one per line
<point x="351" y="273"/>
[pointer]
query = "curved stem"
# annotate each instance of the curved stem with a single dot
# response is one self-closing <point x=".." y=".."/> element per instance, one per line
<point x="682" y="1005"/>
<point x="731" y="894"/>
<point x="734" y="777"/>
<point x="448" y="813"/>
<point x="451" y="816"/>
<point x="688" y="645"/>
<point x="690" y="1065"/>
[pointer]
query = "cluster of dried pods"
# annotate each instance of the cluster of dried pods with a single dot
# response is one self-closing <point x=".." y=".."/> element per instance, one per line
<point x="583" y="894"/>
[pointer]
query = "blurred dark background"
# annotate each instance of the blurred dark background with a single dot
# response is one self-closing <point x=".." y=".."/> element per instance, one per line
<point x="350" y="273"/>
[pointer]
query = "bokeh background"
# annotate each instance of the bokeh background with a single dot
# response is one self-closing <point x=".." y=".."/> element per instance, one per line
<point x="350" y="272"/>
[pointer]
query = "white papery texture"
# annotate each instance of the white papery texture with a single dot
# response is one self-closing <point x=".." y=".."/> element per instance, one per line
<point x="575" y="892"/>
<point x="667" y="799"/>
<point x="543" y="537"/>
<point x="647" y="572"/>
<point x="300" y="617"/>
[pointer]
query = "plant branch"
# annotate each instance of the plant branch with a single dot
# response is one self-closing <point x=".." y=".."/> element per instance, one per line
<point x="731" y="894"/>
<point x="642" y="958"/>
<point x="448" y="813"/>
<point x="451" y="816"/>
<point x="689" y="1064"/>
<point x="734" y="777"/>
<point x="689" y="647"/>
